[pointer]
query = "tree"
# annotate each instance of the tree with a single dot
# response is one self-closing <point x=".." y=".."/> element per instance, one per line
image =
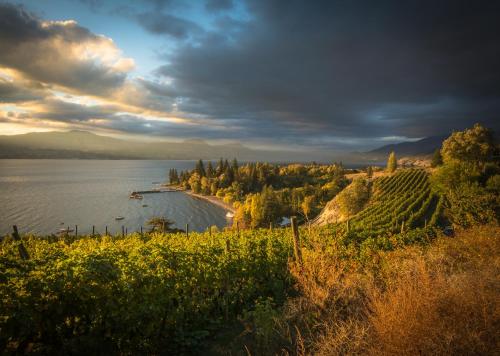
<point x="369" y="172"/>
<point x="464" y="177"/>
<point x="307" y="206"/>
<point x="437" y="159"/>
<point x="353" y="198"/>
<point x="195" y="183"/>
<point x="200" y="169"/>
<point x="205" y="186"/>
<point x="161" y="224"/>
<point x="473" y="145"/>
<point x="210" y="170"/>
<point x="392" y="162"/>
<point x="220" y="167"/>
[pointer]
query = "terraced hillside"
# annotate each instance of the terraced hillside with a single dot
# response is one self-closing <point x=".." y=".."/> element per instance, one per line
<point x="402" y="200"/>
<point x="398" y="203"/>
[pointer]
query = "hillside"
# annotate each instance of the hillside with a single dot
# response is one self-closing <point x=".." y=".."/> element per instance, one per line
<point x="403" y="198"/>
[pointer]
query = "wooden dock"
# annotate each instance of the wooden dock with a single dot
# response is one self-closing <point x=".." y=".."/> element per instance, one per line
<point x="159" y="190"/>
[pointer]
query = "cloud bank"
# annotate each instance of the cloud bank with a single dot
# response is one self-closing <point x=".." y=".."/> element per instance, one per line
<point x="326" y="74"/>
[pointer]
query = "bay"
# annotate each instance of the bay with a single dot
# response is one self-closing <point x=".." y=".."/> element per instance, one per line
<point x="43" y="196"/>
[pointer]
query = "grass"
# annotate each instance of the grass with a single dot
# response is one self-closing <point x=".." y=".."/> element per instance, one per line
<point x="436" y="299"/>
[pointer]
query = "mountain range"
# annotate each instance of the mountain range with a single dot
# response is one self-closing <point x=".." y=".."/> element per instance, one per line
<point x="86" y="145"/>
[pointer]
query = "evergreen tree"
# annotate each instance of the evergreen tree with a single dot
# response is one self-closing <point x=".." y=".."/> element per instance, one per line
<point x="200" y="169"/>
<point x="210" y="170"/>
<point x="437" y="159"/>
<point x="235" y="168"/>
<point x="392" y="162"/>
<point x="220" y="167"/>
<point x="369" y="172"/>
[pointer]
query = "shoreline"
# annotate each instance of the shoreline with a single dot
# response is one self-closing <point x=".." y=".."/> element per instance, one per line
<point x="212" y="199"/>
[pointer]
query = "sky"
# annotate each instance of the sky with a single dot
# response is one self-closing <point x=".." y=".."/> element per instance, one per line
<point x="301" y="75"/>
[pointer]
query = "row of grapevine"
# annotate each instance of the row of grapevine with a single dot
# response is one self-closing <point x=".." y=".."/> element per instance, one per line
<point x="399" y="202"/>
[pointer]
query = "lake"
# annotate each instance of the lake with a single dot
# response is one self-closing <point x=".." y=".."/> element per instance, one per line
<point x="43" y="196"/>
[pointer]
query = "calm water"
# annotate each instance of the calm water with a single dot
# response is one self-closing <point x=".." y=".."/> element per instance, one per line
<point x="43" y="196"/>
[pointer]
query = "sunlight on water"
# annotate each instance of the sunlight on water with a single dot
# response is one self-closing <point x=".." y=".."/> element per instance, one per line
<point x="44" y="196"/>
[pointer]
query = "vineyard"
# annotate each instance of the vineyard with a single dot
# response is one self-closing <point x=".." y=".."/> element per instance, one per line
<point x="169" y="292"/>
<point x="400" y="202"/>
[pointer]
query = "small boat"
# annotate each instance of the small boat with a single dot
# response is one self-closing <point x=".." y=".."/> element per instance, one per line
<point x="229" y="215"/>
<point x="119" y="218"/>
<point x="144" y="205"/>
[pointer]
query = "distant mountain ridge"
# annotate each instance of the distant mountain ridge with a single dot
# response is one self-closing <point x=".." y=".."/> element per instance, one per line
<point x="425" y="146"/>
<point x="87" y="145"/>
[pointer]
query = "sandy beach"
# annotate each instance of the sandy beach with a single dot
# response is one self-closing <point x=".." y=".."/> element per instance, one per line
<point x="213" y="200"/>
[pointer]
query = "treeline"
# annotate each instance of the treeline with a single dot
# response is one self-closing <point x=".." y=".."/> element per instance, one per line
<point x="263" y="193"/>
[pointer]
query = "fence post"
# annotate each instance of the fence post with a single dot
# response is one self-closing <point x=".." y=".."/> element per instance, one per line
<point x="187" y="230"/>
<point x="76" y="230"/>
<point x="141" y="230"/>
<point x="296" y="241"/>
<point x="93" y="230"/>
<point x="23" y="253"/>
<point x="210" y="231"/>
<point x="106" y="230"/>
<point x="126" y="231"/>
<point x="123" y="231"/>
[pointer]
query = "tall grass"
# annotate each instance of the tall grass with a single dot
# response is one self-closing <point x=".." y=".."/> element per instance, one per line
<point x="435" y="299"/>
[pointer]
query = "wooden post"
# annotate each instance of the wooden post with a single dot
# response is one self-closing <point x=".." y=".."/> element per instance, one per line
<point x="296" y="241"/>
<point x="210" y="231"/>
<point x="187" y="230"/>
<point x="123" y="231"/>
<point x="23" y="253"/>
<point x="347" y="225"/>
<point x="402" y="226"/>
<point x="141" y="230"/>
<point x="126" y="231"/>
<point x="270" y="226"/>
<point x="228" y="245"/>
<point x="76" y="230"/>
<point x="163" y="227"/>
<point x="93" y="230"/>
<point x="106" y="230"/>
<point x="67" y="231"/>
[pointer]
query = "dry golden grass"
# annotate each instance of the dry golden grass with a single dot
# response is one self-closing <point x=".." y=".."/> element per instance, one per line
<point x="442" y="299"/>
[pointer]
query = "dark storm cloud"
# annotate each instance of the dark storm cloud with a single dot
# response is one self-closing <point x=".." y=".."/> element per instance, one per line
<point x="160" y="23"/>
<point x="349" y="68"/>
<point x="58" y="52"/>
<point x="218" y="5"/>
